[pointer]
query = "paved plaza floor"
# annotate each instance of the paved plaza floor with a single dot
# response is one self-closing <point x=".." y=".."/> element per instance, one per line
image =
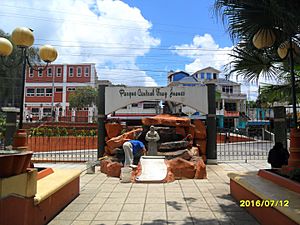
<point x="105" y="201"/>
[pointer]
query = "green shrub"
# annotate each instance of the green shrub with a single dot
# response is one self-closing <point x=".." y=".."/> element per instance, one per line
<point x="62" y="131"/>
<point x="2" y="124"/>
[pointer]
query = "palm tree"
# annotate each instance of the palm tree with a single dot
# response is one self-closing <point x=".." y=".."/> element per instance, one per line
<point x="260" y="27"/>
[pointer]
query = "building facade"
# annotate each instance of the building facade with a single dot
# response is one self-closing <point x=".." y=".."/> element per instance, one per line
<point x="230" y="102"/>
<point x="47" y="92"/>
<point x="136" y="111"/>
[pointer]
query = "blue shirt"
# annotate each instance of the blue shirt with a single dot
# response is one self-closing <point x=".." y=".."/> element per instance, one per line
<point x="136" y="146"/>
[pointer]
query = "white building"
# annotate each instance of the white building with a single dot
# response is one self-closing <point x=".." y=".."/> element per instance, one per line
<point x="230" y="102"/>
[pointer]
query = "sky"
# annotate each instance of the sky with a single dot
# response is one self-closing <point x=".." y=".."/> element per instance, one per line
<point x="132" y="42"/>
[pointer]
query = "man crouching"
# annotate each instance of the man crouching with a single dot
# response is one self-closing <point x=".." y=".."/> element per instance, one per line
<point x="131" y="149"/>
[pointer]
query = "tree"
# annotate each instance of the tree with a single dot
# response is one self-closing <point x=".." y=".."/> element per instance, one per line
<point x="11" y="74"/>
<point x="83" y="97"/>
<point x="278" y="21"/>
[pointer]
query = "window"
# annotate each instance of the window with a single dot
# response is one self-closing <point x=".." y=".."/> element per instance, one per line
<point x="208" y="76"/>
<point x="214" y="76"/>
<point x="40" y="92"/>
<point x="58" y="72"/>
<point x="48" y="91"/>
<point x="71" y="89"/>
<point x="202" y="76"/>
<point x="40" y="73"/>
<point x="71" y="71"/>
<point x="30" y="72"/>
<point x="79" y="70"/>
<point x="86" y="71"/>
<point x="227" y="89"/>
<point x="230" y="106"/>
<point x="35" y="111"/>
<point x="49" y="72"/>
<point x="134" y="105"/>
<point x="149" y="106"/>
<point x="47" y="111"/>
<point x="58" y="89"/>
<point x="30" y="92"/>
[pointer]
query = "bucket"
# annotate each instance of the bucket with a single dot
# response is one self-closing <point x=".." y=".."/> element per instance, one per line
<point x="125" y="175"/>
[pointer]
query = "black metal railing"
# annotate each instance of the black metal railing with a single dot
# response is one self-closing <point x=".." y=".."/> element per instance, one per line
<point x="63" y="148"/>
<point x="243" y="144"/>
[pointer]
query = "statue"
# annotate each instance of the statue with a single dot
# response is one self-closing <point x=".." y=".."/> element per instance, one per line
<point x="152" y="137"/>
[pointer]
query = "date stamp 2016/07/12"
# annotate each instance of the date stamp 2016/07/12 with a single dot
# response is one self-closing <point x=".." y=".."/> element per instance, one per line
<point x="264" y="203"/>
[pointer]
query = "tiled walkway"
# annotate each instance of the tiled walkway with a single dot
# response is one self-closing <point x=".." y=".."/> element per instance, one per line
<point x="106" y="201"/>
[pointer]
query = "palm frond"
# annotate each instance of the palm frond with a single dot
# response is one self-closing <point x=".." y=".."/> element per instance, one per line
<point x="246" y="17"/>
<point x="252" y="64"/>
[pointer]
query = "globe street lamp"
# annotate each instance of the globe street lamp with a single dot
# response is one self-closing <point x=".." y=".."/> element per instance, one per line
<point x="23" y="38"/>
<point x="265" y="38"/>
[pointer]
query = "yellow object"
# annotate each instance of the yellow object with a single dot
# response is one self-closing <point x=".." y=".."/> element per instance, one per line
<point x="48" y="53"/>
<point x="24" y="184"/>
<point x="5" y="47"/>
<point x="22" y="37"/>
<point x="283" y="49"/>
<point x="264" y="38"/>
<point x="54" y="182"/>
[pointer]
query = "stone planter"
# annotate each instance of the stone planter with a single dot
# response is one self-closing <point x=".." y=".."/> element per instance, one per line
<point x="42" y="144"/>
<point x="14" y="162"/>
<point x="294" y="159"/>
<point x="20" y="140"/>
<point x="280" y="180"/>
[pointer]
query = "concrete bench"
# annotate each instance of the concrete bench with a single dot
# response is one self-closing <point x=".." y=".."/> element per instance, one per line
<point x="250" y="186"/>
<point x="53" y="183"/>
<point x="43" y="198"/>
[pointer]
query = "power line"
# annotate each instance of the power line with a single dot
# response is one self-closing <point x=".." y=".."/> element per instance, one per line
<point x="111" y="18"/>
<point x="91" y="23"/>
<point x="139" y="48"/>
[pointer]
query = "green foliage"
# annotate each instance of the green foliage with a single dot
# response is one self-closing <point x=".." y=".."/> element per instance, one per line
<point x="2" y="124"/>
<point x="218" y="95"/>
<point x="251" y="104"/>
<point x="11" y="74"/>
<point x="85" y="133"/>
<point x="61" y="132"/>
<point x="244" y="18"/>
<point x="83" y="97"/>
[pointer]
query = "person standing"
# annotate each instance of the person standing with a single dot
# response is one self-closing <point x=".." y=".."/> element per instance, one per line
<point x="278" y="156"/>
<point x="152" y="137"/>
<point x="30" y="117"/>
<point x="133" y="148"/>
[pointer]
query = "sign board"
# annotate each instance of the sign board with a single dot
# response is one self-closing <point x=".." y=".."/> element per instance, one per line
<point x="118" y="97"/>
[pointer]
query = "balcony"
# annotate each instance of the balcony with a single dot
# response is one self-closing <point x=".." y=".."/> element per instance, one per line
<point x="231" y="113"/>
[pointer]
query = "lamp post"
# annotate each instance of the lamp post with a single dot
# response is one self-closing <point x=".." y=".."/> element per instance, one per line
<point x="286" y="49"/>
<point x="265" y="38"/>
<point x="23" y="38"/>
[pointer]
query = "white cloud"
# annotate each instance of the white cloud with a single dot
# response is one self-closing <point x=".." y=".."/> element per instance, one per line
<point x="205" y="52"/>
<point x="109" y="33"/>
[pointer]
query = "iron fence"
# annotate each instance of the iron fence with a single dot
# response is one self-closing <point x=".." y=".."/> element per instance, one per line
<point x="243" y="144"/>
<point x="63" y="149"/>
